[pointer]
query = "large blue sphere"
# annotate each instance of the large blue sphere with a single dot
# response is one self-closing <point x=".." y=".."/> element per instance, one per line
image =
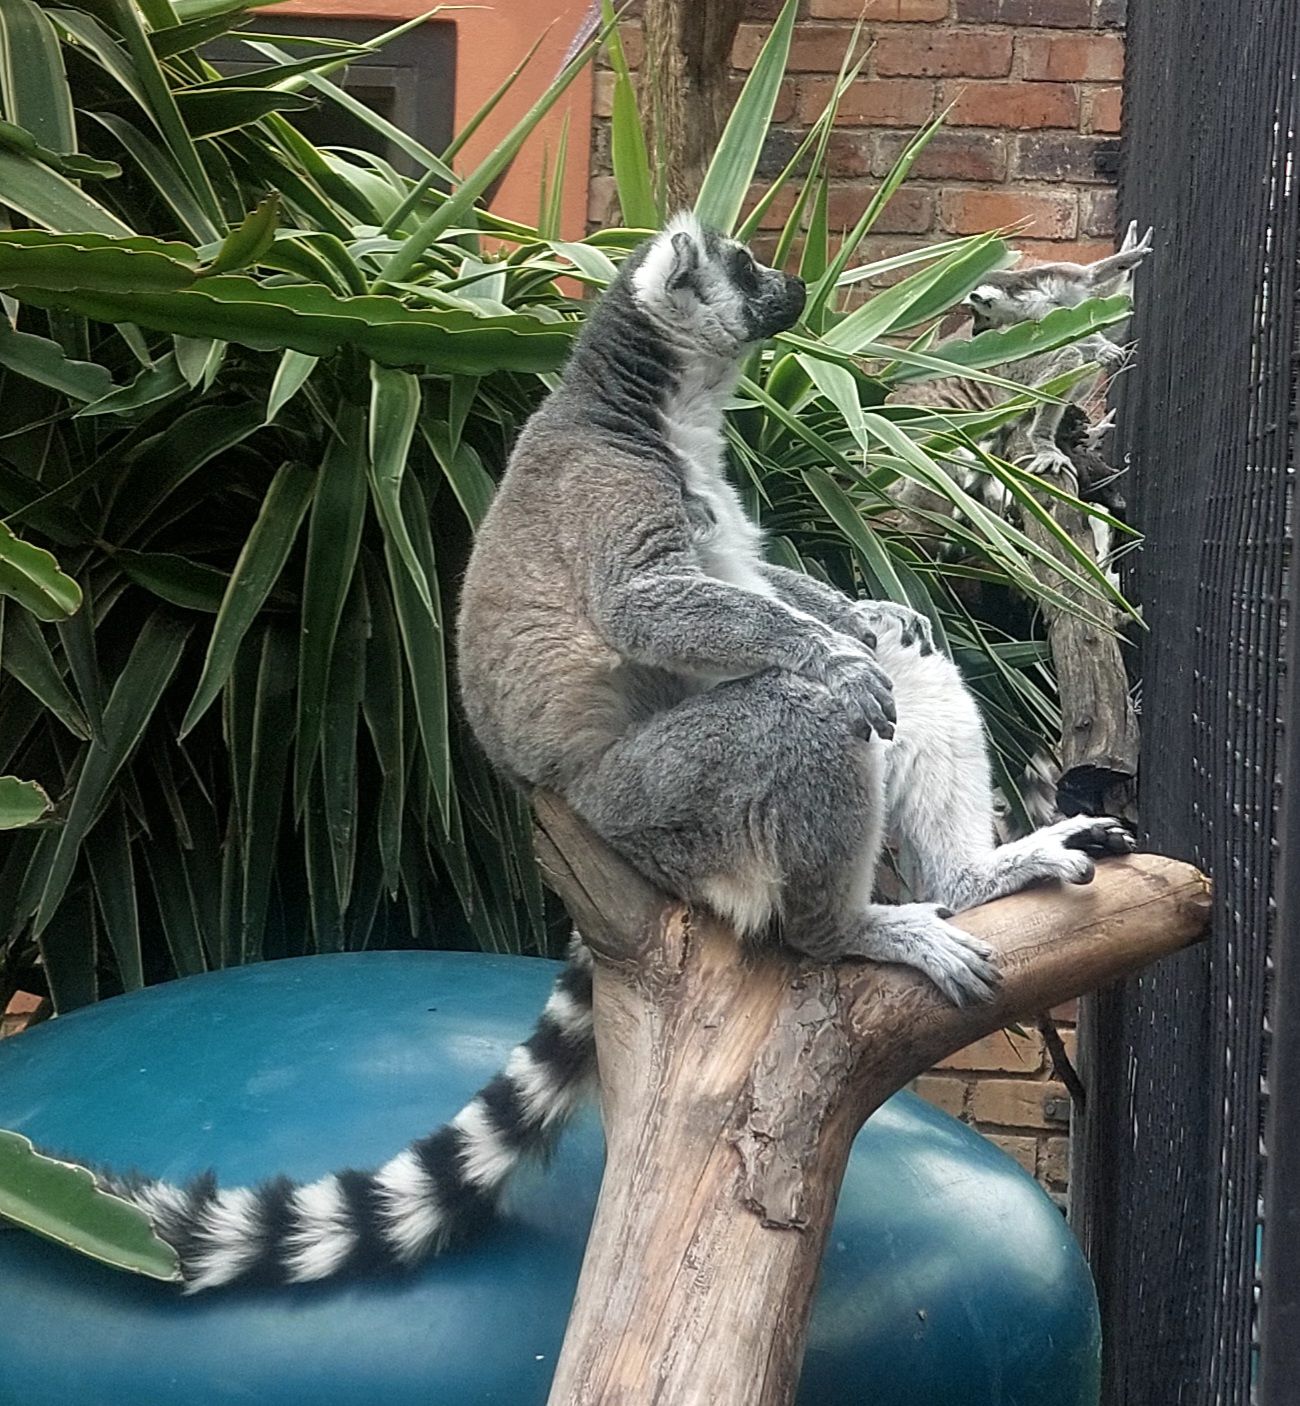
<point x="950" y="1279"/>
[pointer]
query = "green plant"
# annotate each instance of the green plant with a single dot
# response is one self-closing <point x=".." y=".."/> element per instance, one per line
<point x="254" y="397"/>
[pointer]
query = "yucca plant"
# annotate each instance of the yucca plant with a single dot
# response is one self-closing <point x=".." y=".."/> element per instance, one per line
<point x="254" y="397"/>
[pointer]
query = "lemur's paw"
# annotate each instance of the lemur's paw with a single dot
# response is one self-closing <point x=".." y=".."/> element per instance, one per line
<point x="1112" y="357"/>
<point x="911" y="627"/>
<point x="862" y="688"/>
<point x="1046" y="462"/>
<point x="916" y="934"/>
<point x="1097" y="835"/>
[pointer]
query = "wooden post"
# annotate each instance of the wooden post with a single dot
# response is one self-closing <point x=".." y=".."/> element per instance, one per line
<point x="686" y="86"/>
<point x="1099" y="729"/>
<point x="732" y="1089"/>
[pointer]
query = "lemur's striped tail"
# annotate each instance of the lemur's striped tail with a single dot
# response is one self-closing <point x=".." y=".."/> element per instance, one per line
<point x="434" y="1191"/>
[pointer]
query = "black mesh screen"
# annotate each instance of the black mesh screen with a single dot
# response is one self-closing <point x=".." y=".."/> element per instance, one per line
<point x="1170" y="1170"/>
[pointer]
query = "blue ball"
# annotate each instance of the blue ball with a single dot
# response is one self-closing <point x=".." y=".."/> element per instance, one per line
<point x="949" y="1278"/>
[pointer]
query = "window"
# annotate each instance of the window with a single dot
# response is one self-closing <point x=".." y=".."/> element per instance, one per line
<point x="410" y="81"/>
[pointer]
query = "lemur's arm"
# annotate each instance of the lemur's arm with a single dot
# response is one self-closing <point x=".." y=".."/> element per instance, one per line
<point x="653" y="604"/>
<point x="815" y="598"/>
<point x="859" y="618"/>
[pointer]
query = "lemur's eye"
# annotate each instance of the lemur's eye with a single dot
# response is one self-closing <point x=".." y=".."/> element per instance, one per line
<point x="745" y="272"/>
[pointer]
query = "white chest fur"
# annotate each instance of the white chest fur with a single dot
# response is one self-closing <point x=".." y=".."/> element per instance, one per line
<point x="728" y="542"/>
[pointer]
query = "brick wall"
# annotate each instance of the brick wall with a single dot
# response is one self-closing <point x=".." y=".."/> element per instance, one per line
<point x="1033" y="136"/>
<point x="1003" y="1085"/>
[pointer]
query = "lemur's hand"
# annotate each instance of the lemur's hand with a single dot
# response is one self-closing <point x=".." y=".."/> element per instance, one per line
<point x="1110" y="356"/>
<point x="848" y="669"/>
<point x="874" y="617"/>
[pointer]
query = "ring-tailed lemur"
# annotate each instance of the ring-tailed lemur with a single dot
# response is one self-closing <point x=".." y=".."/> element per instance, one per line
<point x="719" y="721"/>
<point x="1004" y="298"/>
<point x="1009" y="296"/>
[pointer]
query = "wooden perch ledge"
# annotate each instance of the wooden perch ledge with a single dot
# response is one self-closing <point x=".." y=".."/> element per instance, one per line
<point x="732" y="1090"/>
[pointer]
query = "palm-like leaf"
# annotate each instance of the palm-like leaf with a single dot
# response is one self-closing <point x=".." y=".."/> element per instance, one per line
<point x="254" y="401"/>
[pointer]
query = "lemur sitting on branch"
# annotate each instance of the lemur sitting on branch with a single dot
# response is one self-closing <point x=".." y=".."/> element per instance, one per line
<point x="1053" y="437"/>
<point x="744" y="736"/>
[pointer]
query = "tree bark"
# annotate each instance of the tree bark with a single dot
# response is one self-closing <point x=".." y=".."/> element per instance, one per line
<point x="732" y="1089"/>
<point x="1099" y="730"/>
<point x="686" y="92"/>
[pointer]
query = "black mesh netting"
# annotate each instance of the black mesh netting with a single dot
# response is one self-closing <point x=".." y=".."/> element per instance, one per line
<point x="1182" y="1142"/>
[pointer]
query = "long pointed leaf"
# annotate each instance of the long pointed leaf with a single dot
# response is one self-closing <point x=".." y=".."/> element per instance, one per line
<point x="256" y="572"/>
<point x="333" y="539"/>
<point x="727" y="181"/>
<point x="147" y="671"/>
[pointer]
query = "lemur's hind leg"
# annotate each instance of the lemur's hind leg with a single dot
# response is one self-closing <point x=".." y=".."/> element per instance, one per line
<point x="762" y="799"/>
<point x="938" y="794"/>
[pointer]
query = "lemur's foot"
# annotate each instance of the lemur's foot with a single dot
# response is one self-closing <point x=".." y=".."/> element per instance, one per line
<point x="916" y="935"/>
<point x="911" y="627"/>
<point x="1067" y="849"/>
<point x="1098" y="835"/>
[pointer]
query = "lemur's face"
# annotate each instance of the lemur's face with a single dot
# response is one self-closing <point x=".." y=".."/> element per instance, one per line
<point x="714" y="290"/>
<point x="1006" y="297"/>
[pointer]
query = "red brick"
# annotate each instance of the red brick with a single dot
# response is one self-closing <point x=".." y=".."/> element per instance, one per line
<point x="1001" y="1051"/>
<point x="948" y="1094"/>
<point x="1062" y="156"/>
<point x="1054" y="1161"/>
<point x="1076" y="251"/>
<point x="818" y="48"/>
<point x="1104" y="106"/>
<point x="922" y="10"/>
<point x="1071" y="57"/>
<point x="1055" y="14"/>
<point x="1112" y="14"/>
<point x="885" y="246"/>
<point x="974" y="211"/>
<point x="602" y="200"/>
<point x="946" y="54"/>
<point x="778" y="150"/>
<point x="633" y="41"/>
<point x="850" y="153"/>
<point x="602" y="94"/>
<point x="24" y="1003"/>
<point x="785" y="100"/>
<point x="910" y="210"/>
<point x="1020" y="1149"/>
<point x="1098" y="212"/>
<point x="1018" y="106"/>
<point x="869" y="102"/>
<point x="949" y="156"/>
<point x="783" y="109"/>
<point x="1016" y="1103"/>
<point x="1068" y="1011"/>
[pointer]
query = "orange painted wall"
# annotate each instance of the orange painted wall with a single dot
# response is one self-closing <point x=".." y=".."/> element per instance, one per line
<point x="490" y="41"/>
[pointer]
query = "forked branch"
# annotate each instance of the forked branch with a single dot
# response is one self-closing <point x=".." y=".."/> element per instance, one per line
<point x="732" y="1089"/>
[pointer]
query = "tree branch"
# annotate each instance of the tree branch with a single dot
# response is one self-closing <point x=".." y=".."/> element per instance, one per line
<point x="732" y="1090"/>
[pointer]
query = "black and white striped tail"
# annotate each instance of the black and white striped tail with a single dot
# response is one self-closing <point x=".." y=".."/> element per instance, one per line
<point x="434" y="1191"/>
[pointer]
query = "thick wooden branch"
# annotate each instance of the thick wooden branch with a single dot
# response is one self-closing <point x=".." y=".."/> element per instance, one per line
<point x="1099" y="729"/>
<point x="733" y="1087"/>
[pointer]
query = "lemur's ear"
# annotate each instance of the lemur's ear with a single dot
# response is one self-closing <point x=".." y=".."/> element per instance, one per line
<point x="686" y="260"/>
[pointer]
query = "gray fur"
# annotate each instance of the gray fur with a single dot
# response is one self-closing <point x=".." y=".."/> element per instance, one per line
<point x="1004" y="298"/>
<point x="723" y="724"/>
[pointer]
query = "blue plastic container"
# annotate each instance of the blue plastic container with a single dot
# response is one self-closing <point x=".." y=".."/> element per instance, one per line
<point x="950" y="1278"/>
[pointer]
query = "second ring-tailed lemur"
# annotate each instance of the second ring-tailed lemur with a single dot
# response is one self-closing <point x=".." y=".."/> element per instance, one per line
<point x="728" y="726"/>
<point x="1004" y="298"/>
